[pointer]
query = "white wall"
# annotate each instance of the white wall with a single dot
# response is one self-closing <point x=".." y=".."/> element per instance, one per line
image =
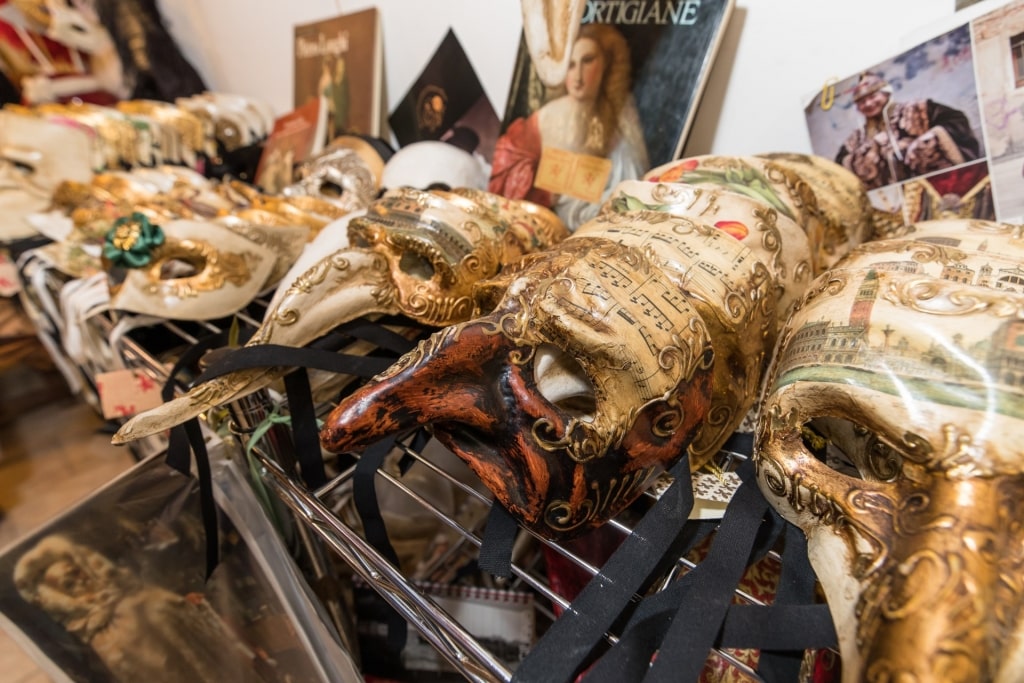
<point x="776" y="52"/>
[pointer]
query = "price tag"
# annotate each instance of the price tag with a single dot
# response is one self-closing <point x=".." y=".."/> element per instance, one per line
<point x="124" y="393"/>
<point x="10" y="283"/>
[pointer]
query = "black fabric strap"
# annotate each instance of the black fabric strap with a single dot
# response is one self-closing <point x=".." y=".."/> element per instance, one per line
<point x="364" y="495"/>
<point x="272" y="355"/>
<point x="179" y="453"/>
<point x="379" y="336"/>
<point x="568" y="645"/>
<point x="793" y="614"/>
<point x="782" y="631"/>
<point x="496" y="546"/>
<point x="305" y="433"/>
<point x="699" y="617"/>
<point x="208" y="506"/>
<point x="630" y="658"/>
<point x="778" y="628"/>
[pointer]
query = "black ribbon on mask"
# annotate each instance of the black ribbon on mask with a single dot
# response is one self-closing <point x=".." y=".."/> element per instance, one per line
<point x="186" y="440"/>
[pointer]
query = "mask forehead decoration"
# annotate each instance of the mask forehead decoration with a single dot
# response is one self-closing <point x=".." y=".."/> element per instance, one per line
<point x="827" y="201"/>
<point x="889" y="434"/>
<point x="413" y="252"/>
<point x="715" y="267"/>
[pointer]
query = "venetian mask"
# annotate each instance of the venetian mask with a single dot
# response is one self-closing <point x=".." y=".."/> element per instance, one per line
<point x="563" y="408"/>
<point x="889" y="434"/>
<point x="430" y="164"/>
<point x="66" y="24"/>
<point x="341" y="175"/>
<point x="36" y="155"/>
<point x="413" y="253"/>
<point x="184" y="270"/>
<point x="724" y="263"/>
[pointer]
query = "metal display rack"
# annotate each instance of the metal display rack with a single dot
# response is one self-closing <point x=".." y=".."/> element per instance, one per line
<point x="315" y="511"/>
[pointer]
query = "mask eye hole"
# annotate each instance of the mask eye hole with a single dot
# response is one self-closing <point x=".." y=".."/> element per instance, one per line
<point x="562" y="381"/>
<point x="331" y="189"/>
<point x="182" y="267"/>
<point x="415" y="266"/>
<point x="852" y="449"/>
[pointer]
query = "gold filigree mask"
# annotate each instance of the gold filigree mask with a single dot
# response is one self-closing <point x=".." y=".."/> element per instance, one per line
<point x="890" y="434"/>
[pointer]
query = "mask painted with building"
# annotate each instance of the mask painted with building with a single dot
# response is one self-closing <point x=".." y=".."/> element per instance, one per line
<point x="890" y="434"/>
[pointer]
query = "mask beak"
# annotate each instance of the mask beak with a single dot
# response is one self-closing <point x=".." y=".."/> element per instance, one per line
<point x="444" y="380"/>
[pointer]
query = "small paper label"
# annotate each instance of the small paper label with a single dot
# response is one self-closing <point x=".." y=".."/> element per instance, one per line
<point x="578" y="175"/>
<point x="712" y="492"/>
<point x="124" y="393"/>
<point x="10" y="283"/>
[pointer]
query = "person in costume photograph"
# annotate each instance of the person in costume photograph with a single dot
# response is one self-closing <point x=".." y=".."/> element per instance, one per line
<point x="901" y="140"/>
<point x="595" y="116"/>
<point x="140" y="631"/>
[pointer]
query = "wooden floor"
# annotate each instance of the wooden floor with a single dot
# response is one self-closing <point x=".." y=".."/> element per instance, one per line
<point x="53" y="452"/>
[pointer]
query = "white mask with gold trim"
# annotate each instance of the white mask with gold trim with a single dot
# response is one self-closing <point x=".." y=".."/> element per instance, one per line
<point x="201" y="271"/>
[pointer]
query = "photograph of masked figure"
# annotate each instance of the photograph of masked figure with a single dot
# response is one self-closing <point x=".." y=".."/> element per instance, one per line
<point x="913" y="115"/>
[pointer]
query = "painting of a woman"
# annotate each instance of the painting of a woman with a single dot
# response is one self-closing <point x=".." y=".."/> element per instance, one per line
<point x="595" y="116"/>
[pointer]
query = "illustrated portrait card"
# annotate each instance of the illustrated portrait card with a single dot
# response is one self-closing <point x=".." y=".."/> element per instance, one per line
<point x="447" y="102"/>
<point x="340" y="62"/>
<point x="936" y="131"/>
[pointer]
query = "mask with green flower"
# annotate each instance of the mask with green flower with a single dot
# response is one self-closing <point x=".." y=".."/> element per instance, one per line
<point x="131" y="241"/>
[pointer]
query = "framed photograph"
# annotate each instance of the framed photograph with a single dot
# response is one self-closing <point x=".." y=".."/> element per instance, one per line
<point x="115" y="589"/>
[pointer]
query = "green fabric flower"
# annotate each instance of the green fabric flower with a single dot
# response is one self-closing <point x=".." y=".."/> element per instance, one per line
<point x="131" y="241"/>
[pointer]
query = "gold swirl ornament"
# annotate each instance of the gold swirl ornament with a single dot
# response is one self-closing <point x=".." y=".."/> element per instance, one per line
<point x="202" y="271"/>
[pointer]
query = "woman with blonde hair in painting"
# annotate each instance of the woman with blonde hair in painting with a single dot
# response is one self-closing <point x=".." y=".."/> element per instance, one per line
<point x="596" y="116"/>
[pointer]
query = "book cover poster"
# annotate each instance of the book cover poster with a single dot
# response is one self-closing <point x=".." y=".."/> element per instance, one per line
<point x="636" y="74"/>
<point x="911" y="128"/>
<point x="341" y="61"/>
<point x="447" y="102"/>
<point x="289" y="143"/>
